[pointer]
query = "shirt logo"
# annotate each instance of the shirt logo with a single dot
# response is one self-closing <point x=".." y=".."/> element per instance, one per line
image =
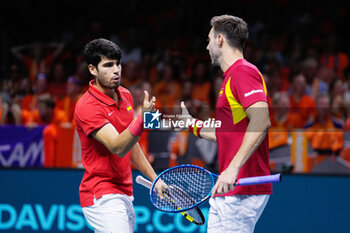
<point x="129" y="108"/>
<point x="110" y="113"/>
<point x="151" y="120"/>
<point x="252" y="92"/>
<point x="221" y="91"/>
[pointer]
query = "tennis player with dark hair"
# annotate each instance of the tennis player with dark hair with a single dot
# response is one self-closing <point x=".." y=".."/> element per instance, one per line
<point x="108" y="133"/>
<point x="242" y="108"/>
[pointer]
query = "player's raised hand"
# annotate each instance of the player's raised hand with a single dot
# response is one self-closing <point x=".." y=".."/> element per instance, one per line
<point x="148" y="104"/>
<point x="184" y="116"/>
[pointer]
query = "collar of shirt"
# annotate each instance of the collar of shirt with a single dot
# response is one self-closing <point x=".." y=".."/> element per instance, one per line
<point x="102" y="96"/>
<point x="233" y="65"/>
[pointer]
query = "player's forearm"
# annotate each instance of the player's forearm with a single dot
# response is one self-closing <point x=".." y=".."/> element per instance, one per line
<point x="123" y="143"/>
<point x="140" y="161"/>
<point x="203" y="131"/>
<point x="255" y="134"/>
<point x="208" y="135"/>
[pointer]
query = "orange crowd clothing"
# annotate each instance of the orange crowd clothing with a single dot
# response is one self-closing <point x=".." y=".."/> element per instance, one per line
<point x="278" y="133"/>
<point x="303" y="110"/>
<point x="29" y="102"/>
<point x="34" y="67"/>
<point x="336" y="62"/>
<point x="50" y="135"/>
<point x="178" y="147"/>
<point x="285" y="83"/>
<point x="202" y="92"/>
<point x="67" y="104"/>
<point x="167" y="93"/>
<point x="325" y="139"/>
<point x="28" y="117"/>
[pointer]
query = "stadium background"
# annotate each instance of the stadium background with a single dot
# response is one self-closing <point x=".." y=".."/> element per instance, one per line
<point x="158" y="38"/>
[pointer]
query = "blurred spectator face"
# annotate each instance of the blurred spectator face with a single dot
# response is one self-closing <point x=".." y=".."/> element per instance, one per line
<point x="322" y="106"/>
<point x="213" y="49"/>
<point x="58" y="72"/>
<point x="274" y="80"/>
<point x="130" y="70"/>
<point x="45" y="112"/>
<point x="40" y="84"/>
<point x="325" y="74"/>
<point x="310" y="69"/>
<point x="200" y="71"/>
<point x="282" y="104"/>
<point x="299" y="84"/>
<point x="338" y="88"/>
<point x="72" y="86"/>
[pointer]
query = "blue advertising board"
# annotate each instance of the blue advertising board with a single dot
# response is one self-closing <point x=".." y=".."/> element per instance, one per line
<point x="48" y="201"/>
<point x="21" y="146"/>
<point x="41" y="200"/>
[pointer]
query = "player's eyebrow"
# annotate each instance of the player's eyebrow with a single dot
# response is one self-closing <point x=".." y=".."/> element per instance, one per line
<point x="109" y="63"/>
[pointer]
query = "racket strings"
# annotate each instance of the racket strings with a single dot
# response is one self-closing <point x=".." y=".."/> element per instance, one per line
<point x="186" y="187"/>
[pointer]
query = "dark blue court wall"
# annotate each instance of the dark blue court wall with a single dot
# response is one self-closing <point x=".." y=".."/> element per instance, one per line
<point x="43" y="200"/>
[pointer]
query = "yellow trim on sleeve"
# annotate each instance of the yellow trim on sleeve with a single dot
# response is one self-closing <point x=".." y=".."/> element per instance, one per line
<point x="195" y="130"/>
<point x="263" y="82"/>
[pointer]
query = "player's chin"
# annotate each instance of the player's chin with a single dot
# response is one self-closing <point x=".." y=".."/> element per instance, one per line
<point x="114" y="84"/>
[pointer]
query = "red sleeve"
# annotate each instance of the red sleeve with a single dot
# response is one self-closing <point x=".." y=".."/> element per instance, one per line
<point x="248" y="86"/>
<point x="89" y="119"/>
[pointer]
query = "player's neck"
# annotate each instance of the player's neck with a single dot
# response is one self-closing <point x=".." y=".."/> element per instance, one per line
<point x="110" y="92"/>
<point x="229" y="57"/>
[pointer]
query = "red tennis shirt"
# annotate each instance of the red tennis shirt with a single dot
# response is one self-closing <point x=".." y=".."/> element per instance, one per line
<point x="105" y="172"/>
<point x="243" y="86"/>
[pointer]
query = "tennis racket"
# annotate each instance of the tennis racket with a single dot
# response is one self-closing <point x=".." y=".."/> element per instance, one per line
<point x="197" y="183"/>
<point x="194" y="215"/>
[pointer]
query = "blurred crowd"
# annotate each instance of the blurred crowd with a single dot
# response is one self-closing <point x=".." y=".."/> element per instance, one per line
<point x="302" y="52"/>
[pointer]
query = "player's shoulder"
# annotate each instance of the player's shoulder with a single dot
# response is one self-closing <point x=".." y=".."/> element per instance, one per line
<point x="85" y="102"/>
<point x="125" y="93"/>
<point x="246" y="66"/>
<point x="123" y="90"/>
<point x="245" y="71"/>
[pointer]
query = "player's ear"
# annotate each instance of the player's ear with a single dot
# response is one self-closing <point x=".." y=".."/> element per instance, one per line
<point x="220" y="39"/>
<point x="92" y="69"/>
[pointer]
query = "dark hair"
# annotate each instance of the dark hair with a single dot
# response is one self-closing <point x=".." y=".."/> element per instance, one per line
<point x="47" y="100"/>
<point x="97" y="48"/>
<point x="233" y="28"/>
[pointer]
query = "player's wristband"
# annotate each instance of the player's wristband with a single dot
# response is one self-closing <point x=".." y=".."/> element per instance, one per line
<point x="195" y="129"/>
<point x="136" y="126"/>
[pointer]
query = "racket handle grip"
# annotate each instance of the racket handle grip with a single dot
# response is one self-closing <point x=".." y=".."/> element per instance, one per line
<point x="144" y="182"/>
<point x="259" y="180"/>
